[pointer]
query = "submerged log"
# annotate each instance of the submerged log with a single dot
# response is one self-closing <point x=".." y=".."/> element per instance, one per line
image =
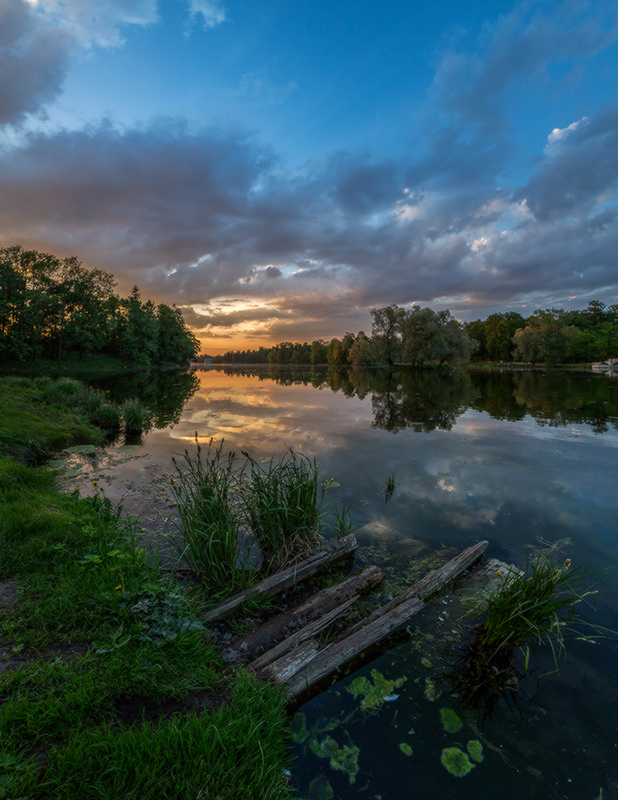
<point x="314" y="608"/>
<point x="277" y="583"/>
<point x="431" y="584"/>
<point x="301" y="673"/>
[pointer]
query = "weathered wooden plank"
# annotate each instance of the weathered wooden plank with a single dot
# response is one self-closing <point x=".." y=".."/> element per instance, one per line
<point x="431" y="584"/>
<point x="277" y="583"/>
<point x="310" y="630"/>
<point x="307" y="672"/>
<point x="291" y="663"/>
<point x="302" y="673"/>
<point x="318" y="605"/>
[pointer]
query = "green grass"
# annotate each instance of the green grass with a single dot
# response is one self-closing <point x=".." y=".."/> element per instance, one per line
<point x="99" y="630"/>
<point x="205" y="490"/>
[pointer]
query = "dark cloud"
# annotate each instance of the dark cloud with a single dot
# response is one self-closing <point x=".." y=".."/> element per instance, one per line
<point x="35" y="60"/>
<point x="214" y="219"/>
<point x="579" y="171"/>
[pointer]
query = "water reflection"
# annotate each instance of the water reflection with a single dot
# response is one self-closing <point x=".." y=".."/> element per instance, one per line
<point x="510" y="457"/>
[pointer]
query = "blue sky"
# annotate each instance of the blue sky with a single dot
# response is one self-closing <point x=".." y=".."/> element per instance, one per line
<point x="279" y="168"/>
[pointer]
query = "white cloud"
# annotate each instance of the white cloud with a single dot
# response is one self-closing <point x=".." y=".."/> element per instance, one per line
<point x="211" y="12"/>
<point x="556" y="137"/>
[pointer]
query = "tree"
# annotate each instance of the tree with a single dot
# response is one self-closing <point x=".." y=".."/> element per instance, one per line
<point x="546" y="337"/>
<point x="430" y="336"/>
<point x="386" y="334"/>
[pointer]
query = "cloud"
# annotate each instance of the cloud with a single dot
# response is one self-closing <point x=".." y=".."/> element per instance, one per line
<point x="96" y="22"/>
<point x="35" y="60"/>
<point x="579" y="171"/>
<point x="211" y="12"/>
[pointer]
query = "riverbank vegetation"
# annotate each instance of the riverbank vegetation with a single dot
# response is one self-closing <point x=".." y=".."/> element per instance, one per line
<point x="110" y="686"/>
<point x="51" y="308"/>
<point x="420" y="336"/>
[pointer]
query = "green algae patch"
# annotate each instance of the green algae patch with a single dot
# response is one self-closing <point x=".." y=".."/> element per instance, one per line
<point x="298" y="728"/>
<point x="405" y="749"/>
<point x="475" y="748"/>
<point x="430" y="690"/>
<point x="450" y="720"/>
<point x="320" y="789"/>
<point x="456" y="761"/>
<point x="426" y="663"/>
<point x="373" y="694"/>
<point x="343" y="759"/>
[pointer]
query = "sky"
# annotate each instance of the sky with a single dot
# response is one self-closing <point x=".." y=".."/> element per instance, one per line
<point x="277" y="169"/>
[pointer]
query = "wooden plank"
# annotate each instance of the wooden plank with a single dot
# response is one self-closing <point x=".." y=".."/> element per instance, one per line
<point x="309" y="671"/>
<point x="277" y="583"/>
<point x="431" y="584"/>
<point x="318" y="605"/>
<point x="303" y="634"/>
<point x="302" y="673"/>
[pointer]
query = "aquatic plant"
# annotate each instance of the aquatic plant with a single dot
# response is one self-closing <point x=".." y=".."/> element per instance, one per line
<point x="106" y="416"/>
<point x="136" y="416"/>
<point x="535" y="605"/>
<point x="343" y="759"/>
<point x="450" y="720"/>
<point x="405" y="749"/>
<point x="209" y="517"/>
<point x="375" y="694"/>
<point x="456" y="761"/>
<point x="298" y="728"/>
<point x="283" y="507"/>
<point x="475" y="749"/>
<point x="320" y="789"/>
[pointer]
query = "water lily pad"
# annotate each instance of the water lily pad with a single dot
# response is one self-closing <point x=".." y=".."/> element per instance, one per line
<point x="82" y="449"/>
<point x="56" y="463"/>
<point x="128" y="448"/>
<point x="405" y="749"/>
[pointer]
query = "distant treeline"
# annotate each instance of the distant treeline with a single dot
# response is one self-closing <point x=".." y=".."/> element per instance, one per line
<point x="50" y="307"/>
<point x="421" y="336"/>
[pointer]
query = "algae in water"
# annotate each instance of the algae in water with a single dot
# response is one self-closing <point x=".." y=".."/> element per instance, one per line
<point x="450" y="720"/>
<point x="475" y="748"/>
<point x="376" y="694"/>
<point x="405" y="749"/>
<point x="456" y="761"/>
<point x="344" y="759"/>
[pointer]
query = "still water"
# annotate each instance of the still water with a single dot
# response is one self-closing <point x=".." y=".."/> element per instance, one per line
<point x="515" y="458"/>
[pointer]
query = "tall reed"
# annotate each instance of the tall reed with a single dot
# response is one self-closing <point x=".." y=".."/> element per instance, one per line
<point x="205" y="489"/>
<point x="283" y="507"/>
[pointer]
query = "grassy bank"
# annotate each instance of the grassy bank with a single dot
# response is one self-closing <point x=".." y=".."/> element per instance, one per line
<point x="109" y="685"/>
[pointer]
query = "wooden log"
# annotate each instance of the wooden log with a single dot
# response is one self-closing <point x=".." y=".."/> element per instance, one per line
<point x="368" y="632"/>
<point x="309" y="671"/>
<point x="315" y="607"/>
<point x="309" y="631"/>
<point x="431" y="584"/>
<point x="275" y="584"/>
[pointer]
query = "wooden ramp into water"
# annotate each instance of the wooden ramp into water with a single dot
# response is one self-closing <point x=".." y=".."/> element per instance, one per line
<point x="286" y="650"/>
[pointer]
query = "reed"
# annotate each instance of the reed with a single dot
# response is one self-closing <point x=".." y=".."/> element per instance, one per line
<point x="136" y="416"/>
<point x="205" y="489"/>
<point x="283" y="507"/>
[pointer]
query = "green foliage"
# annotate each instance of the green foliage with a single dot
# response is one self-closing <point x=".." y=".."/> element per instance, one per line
<point x="205" y="490"/>
<point x="456" y="761"/>
<point x="283" y="507"/>
<point x="51" y="307"/>
<point x="405" y="749"/>
<point x="135" y="415"/>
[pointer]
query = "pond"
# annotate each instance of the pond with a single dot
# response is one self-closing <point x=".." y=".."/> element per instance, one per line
<point x="519" y="458"/>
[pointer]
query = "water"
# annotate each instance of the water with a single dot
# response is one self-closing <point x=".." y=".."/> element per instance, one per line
<point x="512" y="457"/>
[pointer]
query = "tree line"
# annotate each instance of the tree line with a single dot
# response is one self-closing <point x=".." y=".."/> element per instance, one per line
<point x="415" y="336"/>
<point x="50" y="307"/>
<point x="420" y="336"/>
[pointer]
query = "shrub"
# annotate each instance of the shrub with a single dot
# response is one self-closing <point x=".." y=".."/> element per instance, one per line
<point x="136" y="416"/>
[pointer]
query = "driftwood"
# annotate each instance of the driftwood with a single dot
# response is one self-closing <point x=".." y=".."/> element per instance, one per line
<point x="275" y="584"/>
<point x="305" y="665"/>
<point x="315" y="608"/>
<point x="308" y="632"/>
